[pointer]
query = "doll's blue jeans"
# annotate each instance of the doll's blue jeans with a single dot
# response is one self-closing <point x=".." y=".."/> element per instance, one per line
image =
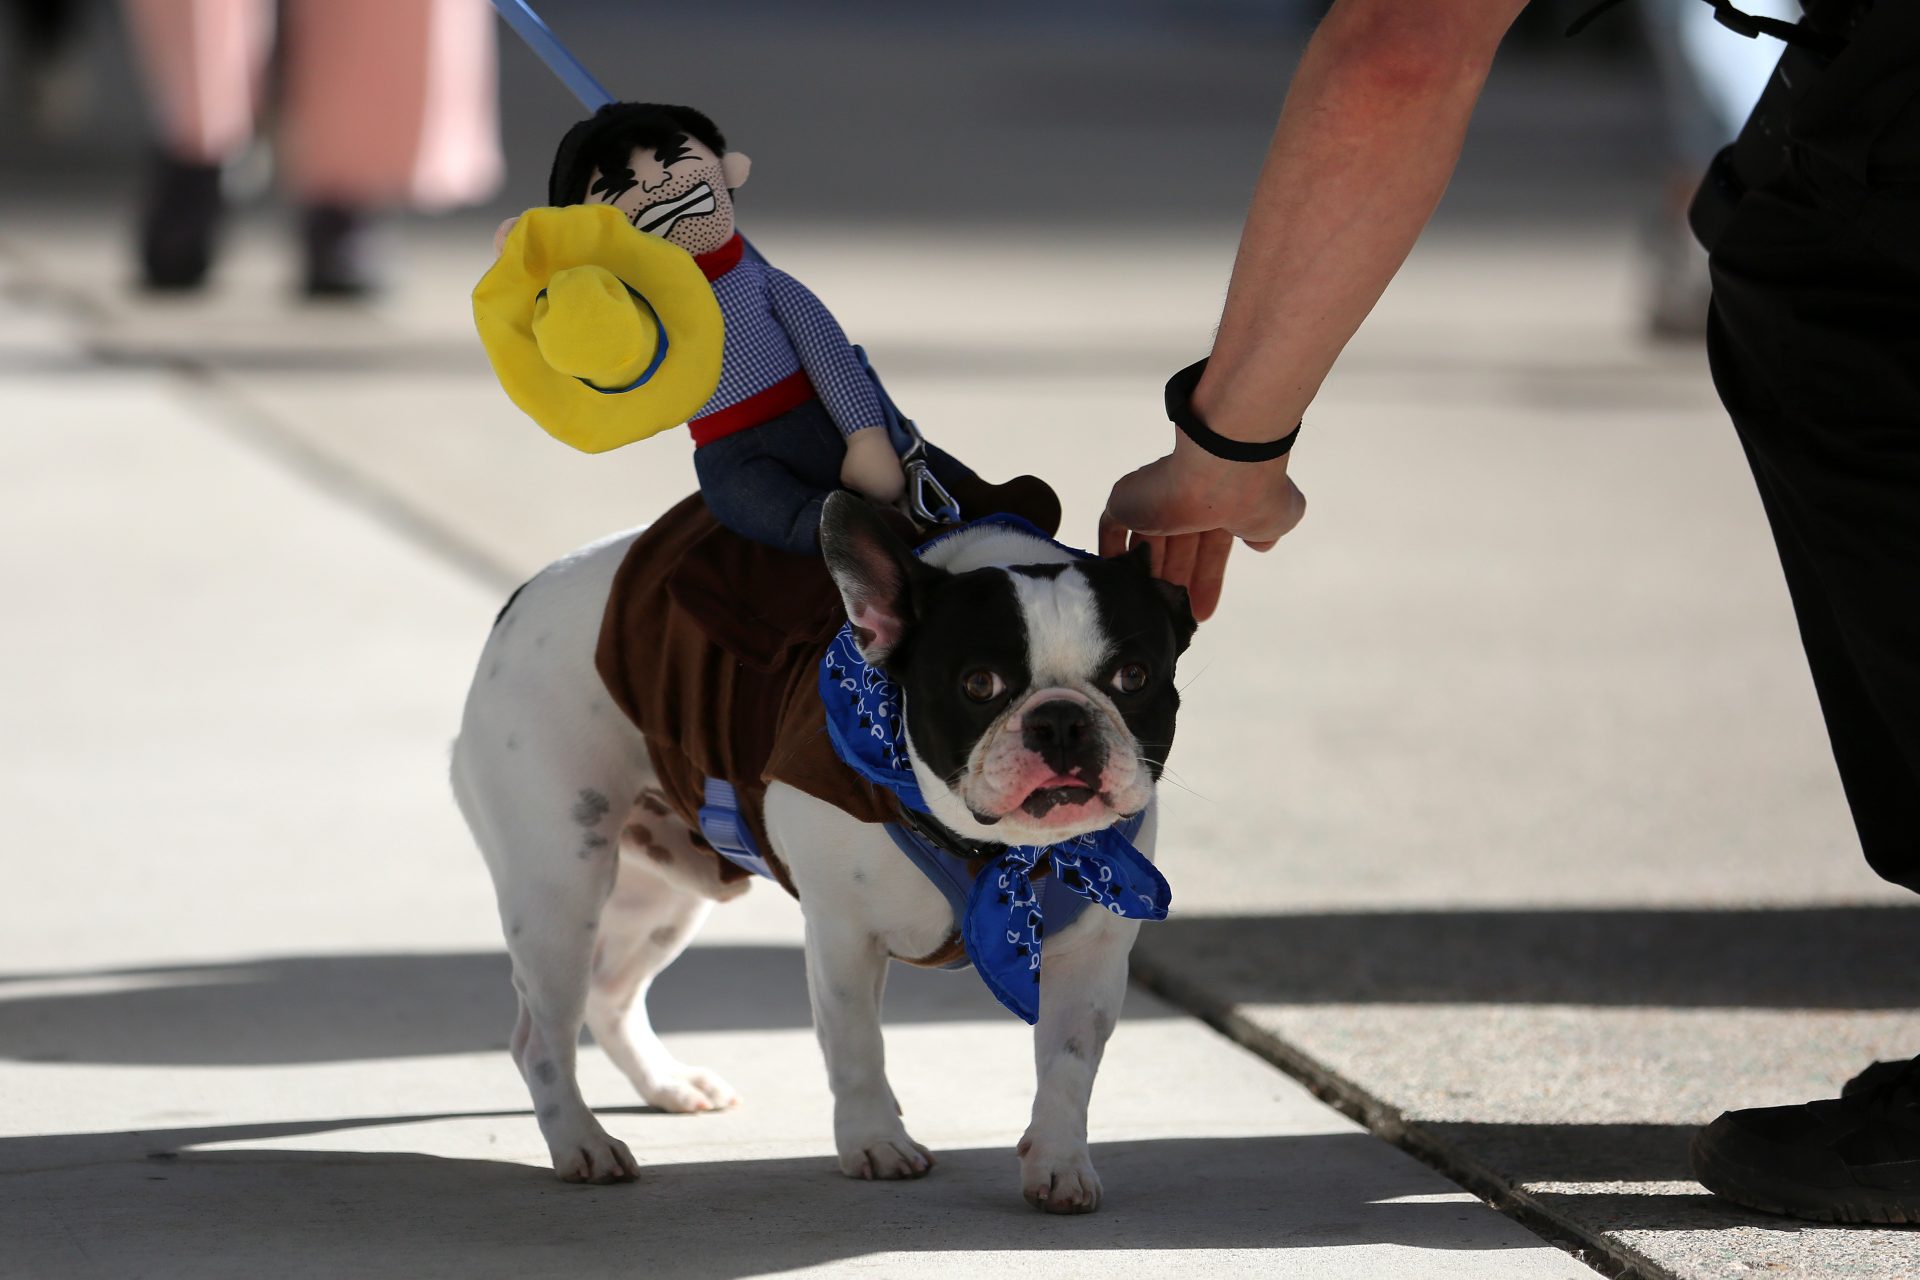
<point x="769" y="482"/>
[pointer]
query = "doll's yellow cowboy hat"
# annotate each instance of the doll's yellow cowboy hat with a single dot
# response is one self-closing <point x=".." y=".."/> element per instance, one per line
<point x="603" y="334"/>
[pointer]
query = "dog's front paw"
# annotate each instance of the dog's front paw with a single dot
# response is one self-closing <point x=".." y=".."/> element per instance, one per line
<point x="594" y="1157"/>
<point x="1058" y="1179"/>
<point x="885" y="1158"/>
<point x="688" y="1089"/>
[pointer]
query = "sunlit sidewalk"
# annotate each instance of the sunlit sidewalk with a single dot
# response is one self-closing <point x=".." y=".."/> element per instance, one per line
<point x="253" y="1005"/>
<point x="1501" y="806"/>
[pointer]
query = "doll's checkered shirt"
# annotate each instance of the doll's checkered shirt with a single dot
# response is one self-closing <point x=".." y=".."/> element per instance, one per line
<point x="776" y="328"/>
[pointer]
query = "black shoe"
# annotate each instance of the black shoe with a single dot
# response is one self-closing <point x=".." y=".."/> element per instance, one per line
<point x="178" y="224"/>
<point x="1873" y="1077"/>
<point x="1855" y="1158"/>
<point x="338" y="243"/>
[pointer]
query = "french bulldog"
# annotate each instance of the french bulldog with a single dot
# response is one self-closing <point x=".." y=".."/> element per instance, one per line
<point x="1037" y="692"/>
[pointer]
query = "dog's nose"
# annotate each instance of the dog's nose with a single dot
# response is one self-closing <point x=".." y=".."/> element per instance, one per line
<point x="1061" y="733"/>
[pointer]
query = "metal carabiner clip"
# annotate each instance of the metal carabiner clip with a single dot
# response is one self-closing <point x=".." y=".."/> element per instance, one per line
<point x="931" y="502"/>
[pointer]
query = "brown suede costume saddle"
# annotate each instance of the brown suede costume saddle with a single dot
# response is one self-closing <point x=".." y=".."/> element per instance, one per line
<point x="711" y="645"/>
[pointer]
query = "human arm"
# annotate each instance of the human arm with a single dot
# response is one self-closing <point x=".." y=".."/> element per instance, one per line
<point x="1367" y="140"/>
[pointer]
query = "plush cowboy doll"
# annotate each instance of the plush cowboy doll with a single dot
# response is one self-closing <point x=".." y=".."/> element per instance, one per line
<point x="795" y="413"/>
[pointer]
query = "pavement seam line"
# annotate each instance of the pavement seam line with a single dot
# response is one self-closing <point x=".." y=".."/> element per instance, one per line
<point x="244" y="420"/>
<point x="231" y="412"/>
<point x="1585" y="1244"/>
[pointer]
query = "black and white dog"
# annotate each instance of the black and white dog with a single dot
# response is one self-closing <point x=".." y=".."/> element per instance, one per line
<point x="1039" y="703"/>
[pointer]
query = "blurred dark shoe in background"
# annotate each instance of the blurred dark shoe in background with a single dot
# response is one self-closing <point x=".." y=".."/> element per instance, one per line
<point x="50" y="84"/>
<point x="341" y="253"/>
<point x="179" y="223"/>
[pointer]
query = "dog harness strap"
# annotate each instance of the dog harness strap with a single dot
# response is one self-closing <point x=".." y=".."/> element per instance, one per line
<point x="1180" y="412"/>
<point x="951" y="876"/>
<point x="932" y="831"/>
<point x="725" y="828"/>
<point x="956" y="876"/>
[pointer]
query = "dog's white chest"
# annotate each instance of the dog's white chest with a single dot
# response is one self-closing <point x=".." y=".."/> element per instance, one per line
<point x="853" y="870"/>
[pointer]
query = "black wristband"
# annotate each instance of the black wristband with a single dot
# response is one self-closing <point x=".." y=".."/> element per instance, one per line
<point x="1180" y="410"/>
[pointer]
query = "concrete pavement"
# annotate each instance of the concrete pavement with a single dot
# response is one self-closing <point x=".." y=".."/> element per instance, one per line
<point x="1556" y="869"/>
<point x="1501" y="811"/>
<point x="253" y="1003"/>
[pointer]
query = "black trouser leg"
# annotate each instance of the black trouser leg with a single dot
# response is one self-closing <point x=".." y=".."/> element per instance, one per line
<point x="1815" y="346"/>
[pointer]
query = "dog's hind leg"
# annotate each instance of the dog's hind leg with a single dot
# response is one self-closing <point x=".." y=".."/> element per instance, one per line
<point x="646" y="924"/>
<point x="535" y="793"/>
<point x="552" y="928"/>
<point x="543" y="769"/>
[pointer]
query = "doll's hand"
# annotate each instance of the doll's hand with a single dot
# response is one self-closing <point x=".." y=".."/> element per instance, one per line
<point x="872" y="467"/>
<point x="500" y="234"/>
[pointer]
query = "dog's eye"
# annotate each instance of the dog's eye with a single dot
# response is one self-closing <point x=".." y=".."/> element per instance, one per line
<point x="982" y="685"/>
<point x="1131" y="678"/>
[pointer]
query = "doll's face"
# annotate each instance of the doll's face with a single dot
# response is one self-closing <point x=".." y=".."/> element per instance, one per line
<point x="678" y="193"/>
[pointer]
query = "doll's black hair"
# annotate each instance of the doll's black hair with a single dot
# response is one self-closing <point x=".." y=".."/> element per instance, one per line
<point x="605" y="140"/>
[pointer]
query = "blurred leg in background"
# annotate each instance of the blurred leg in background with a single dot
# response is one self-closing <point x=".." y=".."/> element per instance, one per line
<point x="385" y="105"/>
<point x="205" y="64"/>
<point x="382" y="104"/>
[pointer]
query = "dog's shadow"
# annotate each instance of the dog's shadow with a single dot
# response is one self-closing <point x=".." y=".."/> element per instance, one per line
<point x="163" y="1195"/>
<point x="293" y="1009"/>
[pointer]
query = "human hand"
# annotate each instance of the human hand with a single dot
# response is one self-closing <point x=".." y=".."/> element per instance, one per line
<point x="1189" y="506"/>
<point x="872" y="467"/>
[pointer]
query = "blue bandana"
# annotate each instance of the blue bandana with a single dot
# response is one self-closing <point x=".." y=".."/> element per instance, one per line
<point x="1003" y="925"/>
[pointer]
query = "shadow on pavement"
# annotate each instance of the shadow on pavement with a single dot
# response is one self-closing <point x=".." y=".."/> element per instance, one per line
<point x="1630" y="1155"/>
<point x="292" y="1009"/>
<point x="156" y="1198"/>
<point x="1788" y="958"/>
<point x="1606" y="1177"/>
<point x="1528" y="1153"/>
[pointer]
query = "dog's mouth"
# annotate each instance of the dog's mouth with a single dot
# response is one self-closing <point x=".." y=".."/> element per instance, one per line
<point x="1047" y="799"/>
<point x="659" y="217"/>
<point x="1063" y="791"/>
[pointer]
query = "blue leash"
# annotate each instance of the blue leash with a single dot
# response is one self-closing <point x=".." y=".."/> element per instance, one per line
<point x="540" y="38"/>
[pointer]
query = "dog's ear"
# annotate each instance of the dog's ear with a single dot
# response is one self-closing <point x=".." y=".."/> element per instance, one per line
<point x="1179" y="607"/>
<point x="1180" y="610"/>
<point x="881" y="581"/>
